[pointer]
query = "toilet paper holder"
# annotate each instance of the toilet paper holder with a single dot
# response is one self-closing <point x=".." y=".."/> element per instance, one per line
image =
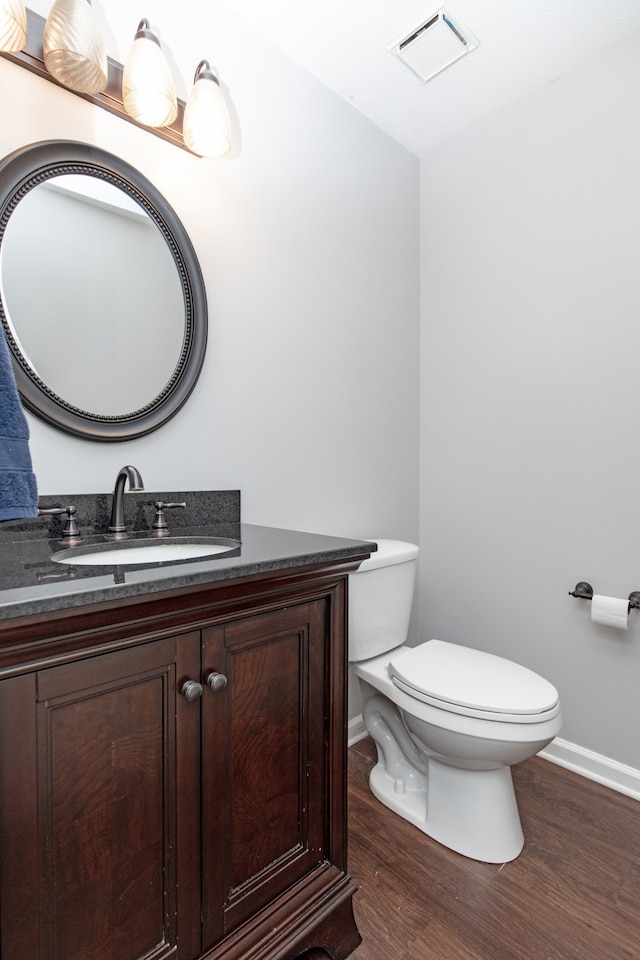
<point x="584" y="591"/>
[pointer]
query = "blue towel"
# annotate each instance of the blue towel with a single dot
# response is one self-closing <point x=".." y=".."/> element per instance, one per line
<point x="18" y="487"/>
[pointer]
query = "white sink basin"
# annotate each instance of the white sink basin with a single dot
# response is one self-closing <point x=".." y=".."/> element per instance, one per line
<point x="145" y="551"/>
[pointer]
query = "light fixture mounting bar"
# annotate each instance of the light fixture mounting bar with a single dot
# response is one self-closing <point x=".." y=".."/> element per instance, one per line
<point x="32" y="57"/>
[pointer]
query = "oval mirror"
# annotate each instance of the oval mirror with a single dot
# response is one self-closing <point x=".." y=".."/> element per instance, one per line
<point x="101" y="295"/>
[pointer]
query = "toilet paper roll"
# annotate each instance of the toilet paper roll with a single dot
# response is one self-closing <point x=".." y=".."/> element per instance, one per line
<point x="611" y="611"/>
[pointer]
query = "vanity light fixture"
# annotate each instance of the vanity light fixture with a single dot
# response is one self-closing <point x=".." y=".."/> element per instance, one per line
<point x="13" y="25"/>
<point x="74" y="51"/>
<point x="206" y="126"/>
<point x="66" y="48"/>
<point x="148" y="90"/>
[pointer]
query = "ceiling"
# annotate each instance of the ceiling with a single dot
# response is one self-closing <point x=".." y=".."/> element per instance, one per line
<point x="523" y="45"/>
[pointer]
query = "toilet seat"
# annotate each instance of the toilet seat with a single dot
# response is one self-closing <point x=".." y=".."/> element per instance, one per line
<point x="473" y="683"/>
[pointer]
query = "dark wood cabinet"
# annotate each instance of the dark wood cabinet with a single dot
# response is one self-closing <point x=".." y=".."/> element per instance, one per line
<point x="150" y="811"/>
<point x="263" y="777"/>
<point x="95" y="744"/>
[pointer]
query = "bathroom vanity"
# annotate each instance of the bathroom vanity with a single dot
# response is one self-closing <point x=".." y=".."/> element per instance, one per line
<point x="173" y="752"/>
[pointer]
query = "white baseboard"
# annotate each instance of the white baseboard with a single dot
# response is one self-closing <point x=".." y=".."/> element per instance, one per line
<point x="593" y="766"/>
<point x="356" y="730"/>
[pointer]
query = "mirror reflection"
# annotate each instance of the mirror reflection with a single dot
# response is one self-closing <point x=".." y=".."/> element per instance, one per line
<point x="107" y="340"/>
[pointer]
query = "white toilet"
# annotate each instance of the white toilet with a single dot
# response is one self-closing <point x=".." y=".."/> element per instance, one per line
<point x="448" y="721"/>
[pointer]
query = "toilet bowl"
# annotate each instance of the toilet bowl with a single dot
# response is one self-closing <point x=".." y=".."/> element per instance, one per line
<point x="448" y="721"/>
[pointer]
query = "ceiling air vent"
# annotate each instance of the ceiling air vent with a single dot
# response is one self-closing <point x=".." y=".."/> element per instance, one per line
<point x="434" y="45"/>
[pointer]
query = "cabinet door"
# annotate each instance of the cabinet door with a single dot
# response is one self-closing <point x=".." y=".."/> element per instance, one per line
<point x="264" y="779"/>
<point x="97" y="766"/>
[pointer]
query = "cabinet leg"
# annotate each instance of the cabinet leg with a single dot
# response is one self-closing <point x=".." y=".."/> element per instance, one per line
<point x="339" y="936"/>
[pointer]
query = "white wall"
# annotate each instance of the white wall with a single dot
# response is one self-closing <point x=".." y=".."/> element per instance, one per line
<point x="308" y="242"/>
<point x="531" y="391"/>
<point x="308" y="239"/>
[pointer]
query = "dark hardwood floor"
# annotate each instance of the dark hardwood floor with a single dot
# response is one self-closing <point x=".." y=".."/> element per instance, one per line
<point x="572" y="894"/>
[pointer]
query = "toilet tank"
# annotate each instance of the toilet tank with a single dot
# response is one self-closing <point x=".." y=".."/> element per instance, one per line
<point x="380" y="599"/>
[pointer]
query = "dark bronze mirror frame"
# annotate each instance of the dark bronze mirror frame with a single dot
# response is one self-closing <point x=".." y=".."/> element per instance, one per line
<point x="23" y="170"/>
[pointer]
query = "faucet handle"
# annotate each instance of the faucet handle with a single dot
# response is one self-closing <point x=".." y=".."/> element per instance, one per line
<point x="159" y="526"/>
<point x="71" y="534"/>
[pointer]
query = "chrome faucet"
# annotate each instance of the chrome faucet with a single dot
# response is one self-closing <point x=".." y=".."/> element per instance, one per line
<point x="117" y="528"/>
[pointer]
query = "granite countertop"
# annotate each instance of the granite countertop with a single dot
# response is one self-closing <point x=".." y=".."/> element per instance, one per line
<point x="32" y="583"/>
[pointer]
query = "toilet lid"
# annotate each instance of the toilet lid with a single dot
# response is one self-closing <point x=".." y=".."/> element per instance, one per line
<point x="465" y="680"/>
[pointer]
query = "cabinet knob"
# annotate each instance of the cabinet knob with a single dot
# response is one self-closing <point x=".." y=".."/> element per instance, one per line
<point x="217" y="681"/>
<point x="191" y="690"/>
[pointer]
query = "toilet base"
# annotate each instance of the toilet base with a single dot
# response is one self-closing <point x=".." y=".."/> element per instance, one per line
<point x="473" y="812"/>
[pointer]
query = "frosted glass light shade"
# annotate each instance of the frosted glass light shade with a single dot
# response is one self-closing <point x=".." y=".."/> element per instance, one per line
<point x="13" y="25"/>
<point x="74" y="52"/>
<point x="148" y="90"/>
<point x="206" y="128"/>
